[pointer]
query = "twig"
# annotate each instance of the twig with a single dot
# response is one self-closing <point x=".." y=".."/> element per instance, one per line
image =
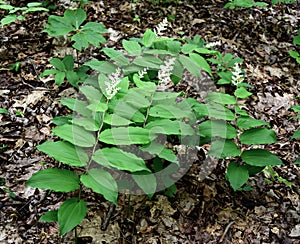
<point x="225" y="232"/>
<point x="111" y="209"/>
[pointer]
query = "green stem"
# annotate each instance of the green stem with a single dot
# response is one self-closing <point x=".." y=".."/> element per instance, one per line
<point x="97" y="136"/>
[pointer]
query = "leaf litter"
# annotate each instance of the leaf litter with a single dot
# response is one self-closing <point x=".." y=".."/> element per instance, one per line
<point x="204" y="210"/>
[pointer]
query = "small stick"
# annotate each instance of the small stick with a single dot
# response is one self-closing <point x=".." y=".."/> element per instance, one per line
<point x="225" y="232"/>
<point x="111" y="209"/>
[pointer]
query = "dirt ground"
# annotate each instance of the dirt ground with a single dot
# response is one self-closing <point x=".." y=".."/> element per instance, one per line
<point x="203" y="211"/>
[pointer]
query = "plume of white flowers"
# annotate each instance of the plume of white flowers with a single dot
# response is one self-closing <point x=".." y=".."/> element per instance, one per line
<point x="237" y="75"/>
<point x="142" y="72"/>
<point x="164" y="73"/>
<point x="213" y="44"/>
<point x="111" y="87"/>
<point x="161" y="27"/>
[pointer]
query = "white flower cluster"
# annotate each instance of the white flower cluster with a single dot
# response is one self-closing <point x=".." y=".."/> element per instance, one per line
<point x="111" y="87"/>
<point x="165" y="72"/>
<point x="162" y="26"/>
<point x="142" y="72"/>
<point x="213" y="44"/>
<point x="237" y="75"/>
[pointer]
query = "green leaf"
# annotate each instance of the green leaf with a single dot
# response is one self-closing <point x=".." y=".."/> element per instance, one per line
<point x="132" y="47"/>
<point x="148" y="62"/>
<point x="242" y="93"/>
<point x="190" y="65"/>
<point x="221" y="98"/>
<point x="72" y="77"/>
<point x="217" y="128"/>
<point x="68" y="62"/>
<point x="87" y="123"/>
<point x="296" y="134"/>
<point x="116" y="120"/>
<point x="76" y="105"/>
<point x="257" y="136"/>
<point x="116" y="55"/>
<point x="214" y="110"/>
<point x="297" y="161"/>
<point x="3" y="111"/>
<point x="75" y="17"/>
<point x="8" y="19"/>
<point x="260" y="157"/>
<point x="90" y="92"/>
<point x="117" y="158"/>
<point x="170" y="127"/>
<point x="70" y="214"/>
<point x="125" y="136"/>
<point x="148" y="38"/>
<point x="168" y="112"/>
<point x="75" y="134"/>
<point x="296" y="108"/>
<point x="237" y="175"/>
<point x="164" y="98"/>
<point x="50" y="216"/>
<point x="101" y="181"/>
<point x="161" y="151"/>
<point x="246" y="122"/>
<point x="224" y="148"/>
<point x="64" y="152"/>
<point x="59" y="77"/>
<point x="201" y="62"/>
<point x="59" y="180"/>
<point x="127" y="111"/>
<point x="188" y="48"/>
<point x="146" y="181"/>
<point x="58" y="64"/>
<point x="101" y="66"/>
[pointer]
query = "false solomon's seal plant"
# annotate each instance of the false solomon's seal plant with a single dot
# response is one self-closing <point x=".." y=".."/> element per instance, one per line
<point x="130" y="132"/>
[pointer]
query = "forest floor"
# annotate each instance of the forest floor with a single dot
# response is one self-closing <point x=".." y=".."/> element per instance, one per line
<point x="203" y="211"/>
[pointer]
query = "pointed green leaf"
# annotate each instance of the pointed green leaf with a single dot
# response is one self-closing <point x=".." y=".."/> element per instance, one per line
<point x="296" y="134"/>
<point x="125" y="136"/>
<point x="201" y="62"/>
<point x="58" y="64"/>
<point x="170" y="127"/>
<point x="91" y="93"/>
<point x="148" y="62"/>
<point x="68" y="62"/>
<point x="75" y="134"/>
<point x="242" y="93"/>
<point x="101" y="182"/>
<point x="76" y="105"/>
<point x="146" y="181"/>
<point x="117" y="158"/>
<point x="148" y="38"/>
<point x="221" y="98"/>
<point x="50" y="216"/>
<point x="64" y="152"/>
<point x="190" y="65"/>
<point x="87" y="123"/>
<point x="60" y="180"/>
<point x="132" y="47"/>
<point x="224" y="148"/>
<point x="214" y="110"/>
<point x="116" y="55"/>
<point x="217" y="128"/>
<point x="246" y="122"/>
<point x="237" y="175"/>
<point x="70" y="214"/>
<point x="59" y="77"/>
<point x="257" y="136"/>
<point x="116" y="120"/>
<point x="168" y="112"/>
<point x="76" y="17"/>
<point x="188" y="48"/>
<point x="161" y="151"/>
<point x="260" y="157"/>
